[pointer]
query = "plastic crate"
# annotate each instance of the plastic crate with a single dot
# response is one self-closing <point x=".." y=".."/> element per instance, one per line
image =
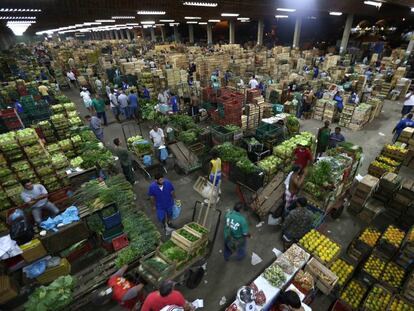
<point x="112" y="220"/>
<point x="221" y="135"/>
<point x="109" y="235"/>
<point x="268" y="131"/>
<point x="120" y="242"/>
<point x="33" y="250"/>
<point x="53" y="273"/>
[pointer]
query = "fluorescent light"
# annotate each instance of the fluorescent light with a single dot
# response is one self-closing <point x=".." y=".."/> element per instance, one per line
<point x="214" y="21"/>
<point x="167" y="20"/>
<point x="412" y="9"/>
<point x="148" y="23"/>
<point x="192" y="17"/>
<point x="230" y="14"/>
<point x="123" y="17"/>
<point x="19" y="10"/>
<point x="17" y="17"/>
<point x="151" y="12"/>
<point x="282" y="16"/>
<point x="20" y="22"/>
<point x="105" y="21"/>
<point x="243" y="18"/>
<point x="159" y="25"/>
<point x="335" y="13"/>
<point x="245" y="21"/>
<point x="174" y="24"/>
<point x="285" y="10"/>
<point x="132" y="24"/>
<point x="373" y="3"/>
<point x="192" y="22"/>
<point x="202" y="23"/>
<point x="205" y="4"/>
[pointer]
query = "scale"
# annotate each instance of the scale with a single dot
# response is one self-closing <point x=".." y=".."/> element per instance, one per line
<point x="246" y="299"/>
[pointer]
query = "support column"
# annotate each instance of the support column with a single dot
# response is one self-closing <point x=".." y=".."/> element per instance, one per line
<point x="116" y="35"/>
<point x="191" y="33"/>
<point x="162" y="34"/>
<point x="128" y="34"/>
<point x="134" y="33"/>
<point x="176" y="34"/>
<point x="296" y="35"/>
<point x="347" y="32"/>
<point x="232" y="32"/>
<point x="209" y="34"/>
<point x="260" y="29"/>
<point x="410" y="46"/>
<point x="121" y="34"/>
<point x="153" y="38"/>
<point x="108" y="35"/>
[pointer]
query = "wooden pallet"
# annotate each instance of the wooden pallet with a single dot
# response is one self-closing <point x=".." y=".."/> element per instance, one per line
<point x="269" y="196"/>
<point x="185" y="158"/>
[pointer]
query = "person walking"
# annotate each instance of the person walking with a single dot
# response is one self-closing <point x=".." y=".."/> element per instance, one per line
<point x="72" y="78"/>
<point x="123" y="104"/>
<point x="113" y="101"/>
<point x="401" y="125"/>
<point x="336" y="138"/>
<point x="36" y="196"/>
<point x="125" y="161"/>
<point x="408" y="104"/>
<point x="99" y="104"/>
<point x="44" y="92"/>
<point x="133" y="105"/>
<point x="95" y="126"/>
<point x="236" y="232"/>
<point x="87" y="101"/>
<point x="158" y="139"/>
<point x="297" y="223"/>
<point x="215" y="168"/>
<point x="161" y="192"/>
<point x="293" y="183"/>
<point x="323" y="139"/>
<point x="253" y="83"/>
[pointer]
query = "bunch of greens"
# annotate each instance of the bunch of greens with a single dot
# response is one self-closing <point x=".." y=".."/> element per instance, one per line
<point x="182" y="122"/>
<point x="230" y="153"/>
<point x="190" y="237"/>
<point x="232" y="128"/>
<point x="94" y="153"/>
<point x="321" y="173"/>
<point x="188" y="137"/>
<point x="173" y="252"/>
<point x="157" y="264"/>
<point x="56" y="296"/>
<point x="198" y="228"/>
<point x="62" y="99"/>
<point x="148" y="110"/>
<point x="246" y="166"/>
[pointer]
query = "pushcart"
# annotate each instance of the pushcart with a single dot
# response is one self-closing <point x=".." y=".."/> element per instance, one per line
<point x="185" y="160"/>
<point x="131" y="129"/>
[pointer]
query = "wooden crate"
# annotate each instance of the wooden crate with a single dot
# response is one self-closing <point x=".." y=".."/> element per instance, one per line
<point x="324" y="278"/>
<point x="365" y="308"/>
<point x="399" y="297"/>
<point x="195" y="232"/>
<point x="164" y="274"/>
<point x="181" y="241"/>
<point x="54" y="272"/>
<point x="8" y="290"/>
<point x="33" y="250"/>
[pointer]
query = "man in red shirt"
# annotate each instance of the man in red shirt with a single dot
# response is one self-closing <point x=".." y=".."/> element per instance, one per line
<point x="303" y="156"/>
<point x="165" y="296"/>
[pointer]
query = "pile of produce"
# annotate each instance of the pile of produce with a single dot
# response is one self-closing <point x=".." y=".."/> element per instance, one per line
<point x="139" y="145"/>
<point x="148" y="110"/>
<point x="230" y="153"/>
<point x="393" y="275"/>
<point x="320" y="173"/>
<point x="275" y="275"/>
<point x="76" y="162"/>
<point x="173" y="252"/>
<point x="246" y="166"/>
<point x="59" y="108"/>
<point x="292" y="124"/>
<point x="53" y="148"/>
<point x="59" y="160"/>
<point x="353" y="294"/>
<point x="198" y="228"/>
<point x="296" y="255"/>
<point x="388" y="161"/>
<point x="342" y="269"/>
<point x="270" y="164"/>
<point x="187" y="235"/>
<point x="188" y="137"/>
<point x="374" y="266"/>
<point x="393" y="236"/>
<point x="305" y="280"/>
<point x="182" y="122"/>
<point x="377" y="299"/>
<point x="75" y="121"/>
<point x="395" y="149"/>
<point x="156" y="263"/>
<point x="285" y="264"/>
<point x="320" y="246"/>
<point x="383" y="166"/>
<point x="232" y="128"/>
<point x="285" y="149"/>
<point x="69" y="107"/>
<point x="94" y="153"/>
<point x="27" y="137"/>
<point x="56" y="296"/>
<point x="62" y="99"/>
<point x="370" y="236"/>
<point x="398" y="304"/>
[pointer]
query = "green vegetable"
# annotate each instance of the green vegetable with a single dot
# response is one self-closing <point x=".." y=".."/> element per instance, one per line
<point x="157" y="264"/>
<point x="275" y="275"/>
<point x="173" y="252"/>
<point x="321" y="173"/>
<point x="232" y="127"/>
<point x="187" y="235"/>
<point x="182" y="122"/>
<point x="198" y="228"/>
<point x="188" y="137"/>
<point x="246" y="166"/>
<point x="230" y="153"/>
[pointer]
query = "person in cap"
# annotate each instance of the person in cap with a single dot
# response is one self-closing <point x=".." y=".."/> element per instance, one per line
<point x="298" y="222"/>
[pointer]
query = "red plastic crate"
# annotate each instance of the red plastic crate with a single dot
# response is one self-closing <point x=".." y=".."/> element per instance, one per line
<point x="76" y="254"/>
<point x="12" y="125"/>
<point x="8" y="113"/>
<point x="120" y="242"/>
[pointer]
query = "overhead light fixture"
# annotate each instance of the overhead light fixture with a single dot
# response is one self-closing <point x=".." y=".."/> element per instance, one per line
<point x="192" y="17"/>
<point x="335" y="13"/>
<point x="18" y="29"/>
<point x="373" y="3"/>
<point x="105" y="21"/>
<point x="167" y="20"/>
<point x="243" y="18"/>
<point x="412" y="9"/>
<point x="17" y="17"/>
<point x="20" y="22"/>
<point x="159" y="25"/>
<point x="285" y="10"/>
<point x="245" y="21"/>
<point x="230" y="14"/>
<point x="282" y="16"/>
<point x="190" y="22"/>
<point x="174" y="24"/>
<point x="151" y="12"/>
<point x="132" y="24"/>
<point x="311" y="17"/>
<point x="204" y="4"/>
<point x="202" y="23"/>
<point x="214" y="21"/>
<point x="148" y="23"/>
<point x="123" y="17"/>
<point x="19" y="10"/>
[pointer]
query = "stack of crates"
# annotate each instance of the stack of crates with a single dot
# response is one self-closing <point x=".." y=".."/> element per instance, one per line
<point x="229" y="108"/>
<point x="10" y="120"/>
<point x="111" y="218"/>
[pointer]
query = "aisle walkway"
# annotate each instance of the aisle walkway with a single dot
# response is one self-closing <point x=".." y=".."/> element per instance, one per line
<point x="223" y="279"/>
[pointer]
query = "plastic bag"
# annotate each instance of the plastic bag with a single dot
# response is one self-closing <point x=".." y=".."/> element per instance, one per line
<point x="35" y="269"/>
<point x="147" y="160"/>
<point x="163" y="153"/>
<point x="176" y="211"/>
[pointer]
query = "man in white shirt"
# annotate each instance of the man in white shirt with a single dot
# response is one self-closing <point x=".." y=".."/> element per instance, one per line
<point x="157" y="137"/>
<point x="253" y="83"/>
<point x="162" y="99"/>
<point x="114" y="104"/>
<point x="408" y="103"/>
<point x="72" y="78"/>
<point x="36" y="197"/>
<point x="98" y="85"/>
<point x="123" y="104"/>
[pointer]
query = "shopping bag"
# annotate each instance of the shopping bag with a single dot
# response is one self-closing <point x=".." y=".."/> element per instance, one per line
<point x="163" y="153"/>
<point x="147" y="160"/>
<point x="176" y="211"/>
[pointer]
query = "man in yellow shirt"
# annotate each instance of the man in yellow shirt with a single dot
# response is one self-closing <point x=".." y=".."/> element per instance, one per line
<point x="215" y="168"/>
<point x="44" y="92"/>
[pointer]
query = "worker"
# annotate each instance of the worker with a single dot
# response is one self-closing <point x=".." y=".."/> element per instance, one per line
<point x="215" y="168"/>
<point x="236" y="232"/>
<point x="99" y="105"/>
<point x="125" y="161"/>
<point x="162" y="195"/>
<point x="401" y="125"/>
<point x="158" y="139"/>
<point x="98" y="85"/>
<point x="297" y="223"/>
<point x="119" y="289"/>
<point x="18" y="106"/>
<point x="36" y="196"/>
<point x="293" y="183"/>
<point x="44" y="92"/>
<point x="307" y="99"/>
<point x="336" y="138"/>
<point x="95" y="126"/>
<point x="323" y="138"/>
<point x="123" y="104"/>
<point x="194" y="105"/>
<point x="339" y="101"/>
<point x="290" y="301"/>
<point x="133" y="105"/>
<point x="166" y="298"/>
<point x="72" y="78"/>
<point x="174" y="103"/>
<point x="285" y="131"/>
<point x="408" y="103"/>
<point x="303" y="155"/>
<point x="86" y="97"/>
<point x="253" y="83"/>
<point x="354" y="98"/>
<point x="146" y="93"/>
<point x="162" y="99"/>
<point x="215" y="84"/>
<point x="113" y="101"/>
<point x="315" y="72"/>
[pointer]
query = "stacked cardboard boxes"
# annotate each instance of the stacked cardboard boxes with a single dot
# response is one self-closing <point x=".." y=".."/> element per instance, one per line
<point x="388" y="185"/>
<point x="362" y="193"/>
<point x="329" y="113"/>
<point x="319" y="109"/>
<point x="408" y="135"/>
<point x="346" y="115"/>
<point x="360" y="117"/>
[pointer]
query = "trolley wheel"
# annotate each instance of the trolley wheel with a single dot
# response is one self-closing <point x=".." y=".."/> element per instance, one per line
<point x="195" y="277"/>
<point x="337" y="212"/>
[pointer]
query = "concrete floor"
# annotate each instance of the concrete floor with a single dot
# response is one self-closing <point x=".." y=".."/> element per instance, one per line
<point x="223" y="279"/>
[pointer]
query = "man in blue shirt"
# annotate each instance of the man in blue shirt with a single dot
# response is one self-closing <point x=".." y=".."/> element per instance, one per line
<point x="407" y="122"/>
<point x="161" y="192"/>
<point x="133" y="105"/>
